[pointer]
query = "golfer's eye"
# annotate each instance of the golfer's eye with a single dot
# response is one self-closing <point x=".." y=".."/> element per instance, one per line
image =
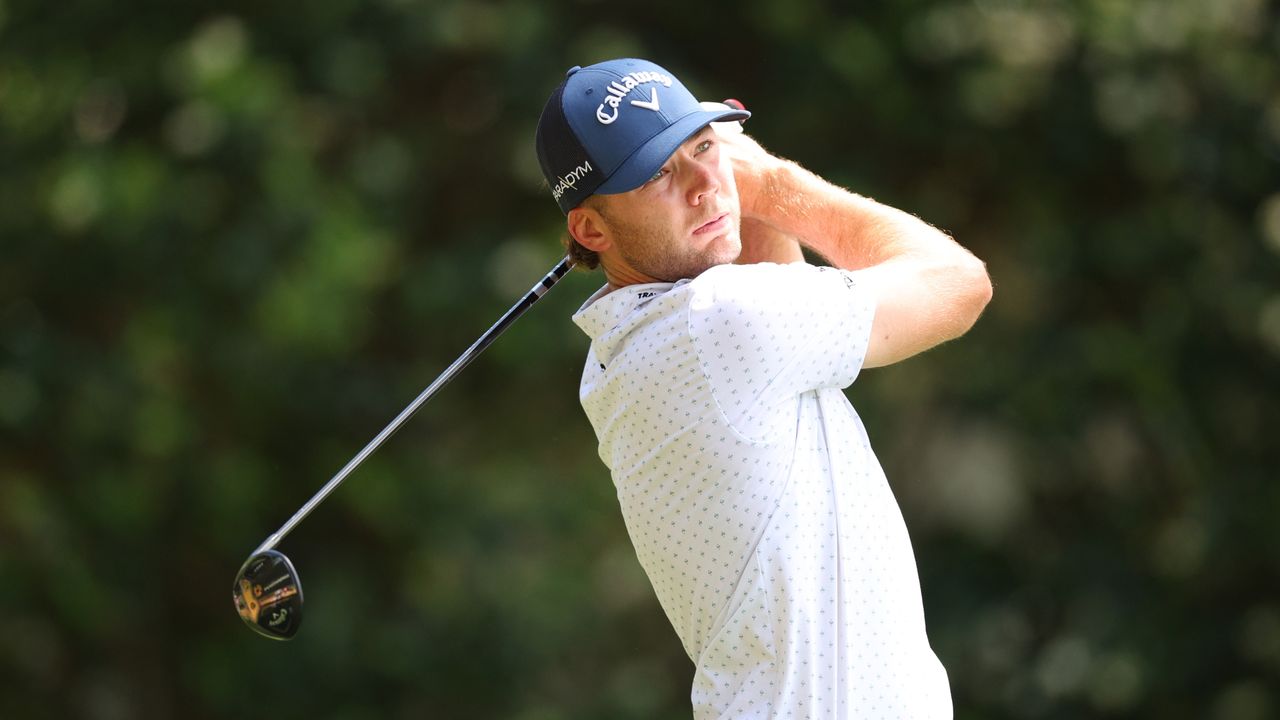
<point x="657" y="176"/>
<point x="705" y="145"/>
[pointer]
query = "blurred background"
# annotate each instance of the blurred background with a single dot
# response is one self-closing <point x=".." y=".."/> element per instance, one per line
<point x="237" y="238"/>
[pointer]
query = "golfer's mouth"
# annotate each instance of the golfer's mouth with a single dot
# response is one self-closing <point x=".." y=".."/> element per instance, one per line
<point x="717" y="223"/>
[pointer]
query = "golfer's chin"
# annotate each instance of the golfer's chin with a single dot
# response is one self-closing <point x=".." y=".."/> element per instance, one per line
<point x="714" y="256"/>
<point x="721" y="249"/>
<point x="724" y="249"/>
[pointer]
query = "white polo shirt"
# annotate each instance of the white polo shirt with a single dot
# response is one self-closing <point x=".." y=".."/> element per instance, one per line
<point x="752" y="496"/>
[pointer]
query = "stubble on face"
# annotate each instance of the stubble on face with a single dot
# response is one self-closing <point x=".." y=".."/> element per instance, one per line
<point x="656" y="250"/>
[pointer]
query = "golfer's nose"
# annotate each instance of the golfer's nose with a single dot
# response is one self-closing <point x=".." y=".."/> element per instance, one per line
<point x="702" y="182"/>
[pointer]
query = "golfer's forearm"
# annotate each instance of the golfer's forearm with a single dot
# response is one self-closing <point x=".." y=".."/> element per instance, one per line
<point x="850" y="231"/>
<point x="764" y="243"/>
<point x="928" y="288"/>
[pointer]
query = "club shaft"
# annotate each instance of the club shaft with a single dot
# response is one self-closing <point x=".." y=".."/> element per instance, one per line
<point x="542" y="286"/>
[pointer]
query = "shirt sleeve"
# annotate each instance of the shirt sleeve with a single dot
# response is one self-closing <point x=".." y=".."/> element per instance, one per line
<point x="766" y="333"/>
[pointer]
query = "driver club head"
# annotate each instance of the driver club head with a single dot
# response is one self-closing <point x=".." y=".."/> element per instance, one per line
<point x="268" y="595"/>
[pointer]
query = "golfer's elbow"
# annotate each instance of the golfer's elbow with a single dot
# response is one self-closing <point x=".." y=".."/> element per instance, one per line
<point x="925" y="302"/>
<point x="973" y="291"/>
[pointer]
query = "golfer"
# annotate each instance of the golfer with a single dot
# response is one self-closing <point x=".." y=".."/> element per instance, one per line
<point x="713" y="382"/>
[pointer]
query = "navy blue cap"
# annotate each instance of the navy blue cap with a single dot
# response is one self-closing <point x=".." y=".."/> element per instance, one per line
<point x="610" y="126"/>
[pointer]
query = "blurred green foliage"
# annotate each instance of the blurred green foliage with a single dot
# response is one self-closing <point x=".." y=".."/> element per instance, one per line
<point x="237" y="237"/>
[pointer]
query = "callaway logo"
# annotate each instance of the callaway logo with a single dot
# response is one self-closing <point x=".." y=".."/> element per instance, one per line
<point x="618" y="89"/>
<point x="570" y="180"/>
<point x="277" y="617"/>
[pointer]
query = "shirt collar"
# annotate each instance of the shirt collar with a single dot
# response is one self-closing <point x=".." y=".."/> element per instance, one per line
<point x="608" y="307"/>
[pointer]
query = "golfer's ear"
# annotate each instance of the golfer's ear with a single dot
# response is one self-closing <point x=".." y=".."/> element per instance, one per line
<point x="588" y="228"/>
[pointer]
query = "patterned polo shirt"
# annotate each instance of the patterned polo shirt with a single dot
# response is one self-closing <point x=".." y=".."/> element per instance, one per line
<point x="751" y="493"/>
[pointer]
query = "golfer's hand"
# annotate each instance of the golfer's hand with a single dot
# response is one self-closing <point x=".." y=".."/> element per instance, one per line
<point x="752" y="168"/>
<point x="761" y="242"/>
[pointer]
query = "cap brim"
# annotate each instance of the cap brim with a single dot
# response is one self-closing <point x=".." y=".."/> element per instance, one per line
<point x="649" y="158"/>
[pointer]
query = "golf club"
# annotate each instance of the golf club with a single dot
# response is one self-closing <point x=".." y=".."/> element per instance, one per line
<point x="267" y="592"/>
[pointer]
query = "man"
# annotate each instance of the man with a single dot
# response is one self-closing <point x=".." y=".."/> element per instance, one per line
<point x="745" y="478"/>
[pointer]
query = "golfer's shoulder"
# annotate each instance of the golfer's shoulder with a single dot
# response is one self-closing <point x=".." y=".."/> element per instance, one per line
<point x="745" y="292"/>
<point x="730" y="278"/>
<point x="752" y="284"/>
